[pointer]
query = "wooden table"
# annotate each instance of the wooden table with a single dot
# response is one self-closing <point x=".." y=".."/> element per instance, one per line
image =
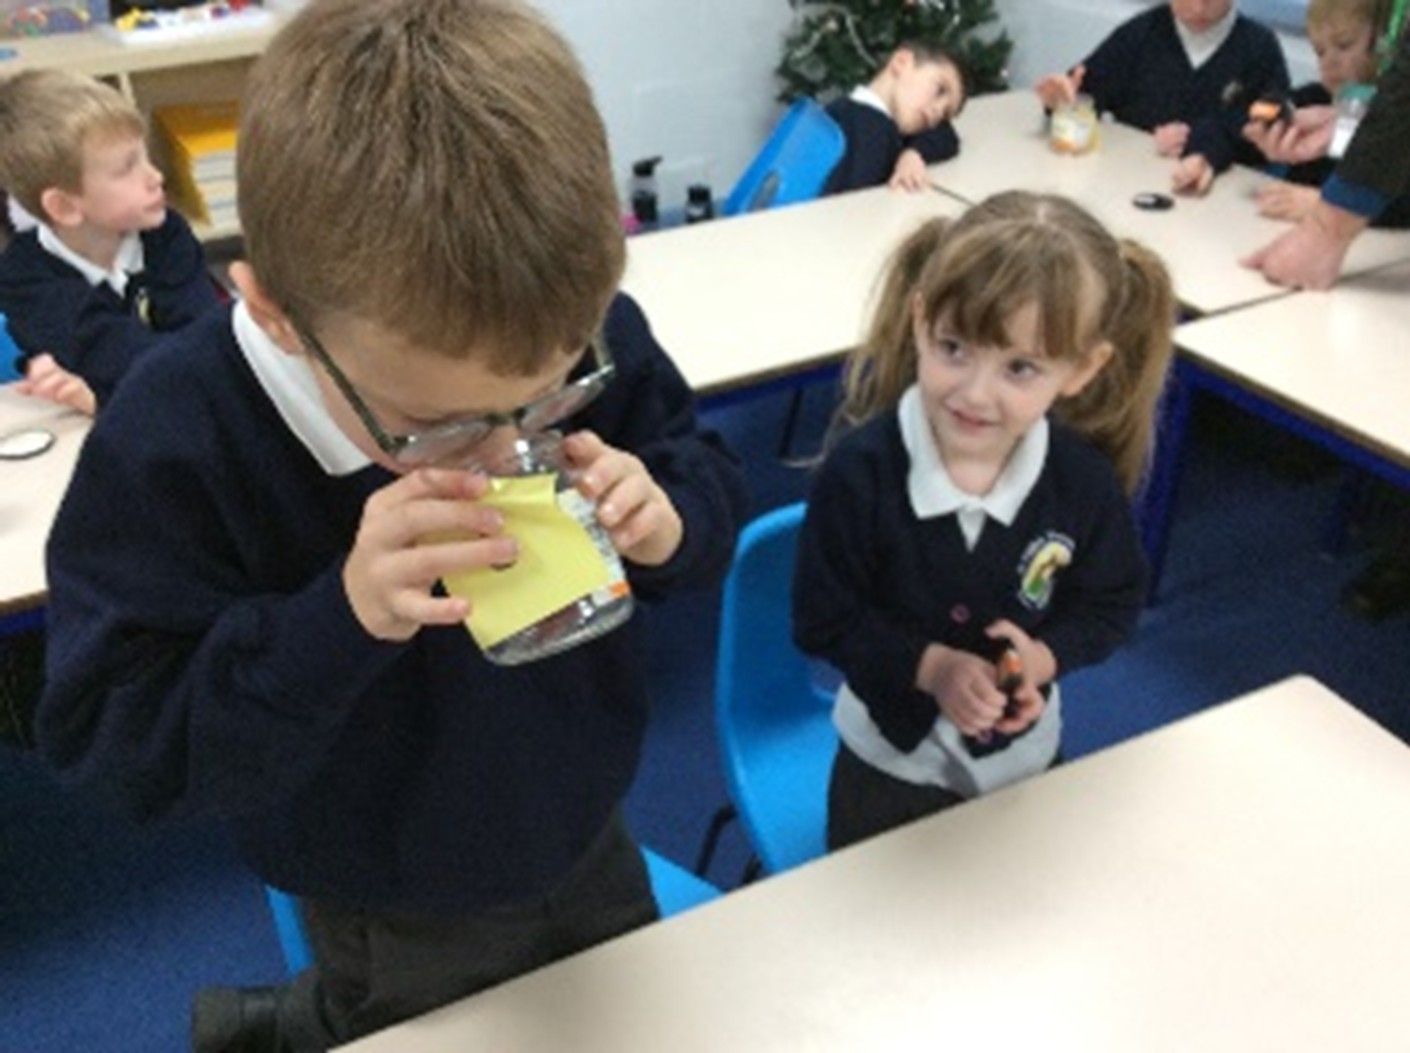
<point x="30" y="492"/>
<point x="1004" y="147"/>
<point x="743" y="300"/>
<point x="1333" y="367"/>
<point x="1235" y="881"/>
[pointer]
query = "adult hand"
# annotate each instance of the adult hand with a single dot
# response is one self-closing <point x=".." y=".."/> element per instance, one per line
<point x="1305" y="138"/>
<point x="1280" y="200"/>
<point x="1310" y="255"/>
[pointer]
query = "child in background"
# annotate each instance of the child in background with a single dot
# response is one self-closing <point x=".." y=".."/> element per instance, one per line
<point x="959" y="514"/>
<point x="900" y="122"/>
<point x="434" y="251"/>
<point x="109" y="269"/>
<point x="1343" y="34"/>
<point x="1187" y="72"/>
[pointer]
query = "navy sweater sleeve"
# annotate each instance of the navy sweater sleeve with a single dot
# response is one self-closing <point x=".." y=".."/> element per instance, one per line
<point x="1218" y="134"/>
<point x="836" y="614"/>
<point x="649" y="409"/>
<point x="936" y="144"/>
<point x="109" y="335"/>
<point x="41" y="297"/>
<point x="1112" y="67"/>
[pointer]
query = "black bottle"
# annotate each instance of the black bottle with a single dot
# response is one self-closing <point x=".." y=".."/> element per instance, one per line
<point x="644" y="198"/>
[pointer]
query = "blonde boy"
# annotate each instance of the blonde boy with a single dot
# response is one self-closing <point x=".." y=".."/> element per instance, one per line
<point x="899" y="123"/>
<point x="434" y="249"/>
<point x="109" y="268"/>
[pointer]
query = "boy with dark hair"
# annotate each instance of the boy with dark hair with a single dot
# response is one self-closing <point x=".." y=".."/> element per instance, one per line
<point x="900" y="122"/>
<point x="109" y="269"/>
<point x="434" y="251"/>
<point x="1186" y="71"/>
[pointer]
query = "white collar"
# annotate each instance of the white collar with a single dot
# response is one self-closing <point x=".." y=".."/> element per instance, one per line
<point x="867" y="97"/>
<point x="934" y="493"/>
<point x="129" y="259"/>
<point x="1199" y="47"/>
<point x="289" y="382"/>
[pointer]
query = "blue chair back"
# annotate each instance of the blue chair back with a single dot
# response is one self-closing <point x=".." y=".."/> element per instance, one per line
<point x="9" y="354"/>
<point x="675" y="888"/>
<point x="793" y="165"/>
<point x="773" y="713"/>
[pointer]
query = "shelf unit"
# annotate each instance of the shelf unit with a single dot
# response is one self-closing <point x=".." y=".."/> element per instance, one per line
<point x="154" y="74"/>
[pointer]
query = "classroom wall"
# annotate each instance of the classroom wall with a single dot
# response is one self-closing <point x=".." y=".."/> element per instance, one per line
<point x="1055" y="34"/>
<point x="689" y="79"/>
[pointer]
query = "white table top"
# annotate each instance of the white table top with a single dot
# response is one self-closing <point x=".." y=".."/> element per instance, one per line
<point x="1003" y="146"/>
<point x="1235" y="881"/>
<point x="30" y="492"/>
<point x="736" y="301"/>
<point x="1340" y="358"/>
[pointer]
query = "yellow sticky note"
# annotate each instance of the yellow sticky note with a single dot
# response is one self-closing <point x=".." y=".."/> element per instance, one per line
<point x="558" y="562"/>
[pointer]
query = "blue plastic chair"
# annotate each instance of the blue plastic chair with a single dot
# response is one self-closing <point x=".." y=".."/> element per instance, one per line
<point x="675" y="888"/>
<point x="9" y="354"/>
<point x="773" y="709"/>
<point x="794" y="163"/>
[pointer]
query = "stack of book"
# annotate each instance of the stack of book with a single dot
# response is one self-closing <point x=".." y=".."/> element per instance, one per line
<point x="198" y="140"/>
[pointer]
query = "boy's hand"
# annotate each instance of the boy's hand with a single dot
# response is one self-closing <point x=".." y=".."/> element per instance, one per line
<point x="1306" y="137"/>
<point x="1170" y="139"/>
<point x="640" y="518"/>
<point x="910" y="173"/>
<point x="1280" y="200"/>
<point x="1058" y="88"/>
<point x="964" y="686"/>
<point x="1039" y="668"/>
<point x="46" y="379"/>
<point x="1193" y="175"/>
<point x="392" y="567"/>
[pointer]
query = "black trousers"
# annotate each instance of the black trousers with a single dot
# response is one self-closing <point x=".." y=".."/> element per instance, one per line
<point x="863" y="801"/>
<point x="374" y="969"/>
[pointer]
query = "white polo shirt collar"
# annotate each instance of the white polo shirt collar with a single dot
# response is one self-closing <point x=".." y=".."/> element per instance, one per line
<point x="933" y="493"/>
<point x="1200" y="47"/>
<point x="289" y="382"/>
<point x="129" y="260"/>
<point x="864" y="95"/>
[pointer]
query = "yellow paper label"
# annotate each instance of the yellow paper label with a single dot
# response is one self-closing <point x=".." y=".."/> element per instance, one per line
<point x="558" y="562"/>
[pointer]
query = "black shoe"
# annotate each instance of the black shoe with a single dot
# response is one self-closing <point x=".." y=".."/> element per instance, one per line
<point x="237" y="1020"/>
<point x="1381" y="590"/>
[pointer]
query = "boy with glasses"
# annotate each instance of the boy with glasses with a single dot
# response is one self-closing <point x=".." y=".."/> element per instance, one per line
<point x="245" y="619"/>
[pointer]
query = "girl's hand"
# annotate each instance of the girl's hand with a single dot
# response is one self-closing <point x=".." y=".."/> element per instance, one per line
<point x="1280" y="200"/>
<point x="1170" y="139"/>
<point x="1193" y="175"/>
<point x="1039" y="668"/>
<point x="393" y="566"/>
<point x="910" y="173"/>
<point x="964" y="686"/>
<point x="46" y="379"/>
<point x="639" y="516"/>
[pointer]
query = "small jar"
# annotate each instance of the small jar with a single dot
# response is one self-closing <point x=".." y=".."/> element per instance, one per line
<point x="594" y="613"/>
<point x="1073" y="127"/>
<point x="1353" y="100"/>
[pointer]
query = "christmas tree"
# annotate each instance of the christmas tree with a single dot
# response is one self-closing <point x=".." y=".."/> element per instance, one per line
<point x="835" y="45"/>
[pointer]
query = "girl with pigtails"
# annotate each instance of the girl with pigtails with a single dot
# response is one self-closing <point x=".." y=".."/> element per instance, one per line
<point x="968" y="537"/>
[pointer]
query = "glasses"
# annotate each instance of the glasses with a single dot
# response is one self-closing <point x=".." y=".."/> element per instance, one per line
<point x="453" y="442"/>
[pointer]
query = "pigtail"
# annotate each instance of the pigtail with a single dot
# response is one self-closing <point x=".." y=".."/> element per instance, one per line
<point x="1117" y="410"/>
<point x="878" y="372"/>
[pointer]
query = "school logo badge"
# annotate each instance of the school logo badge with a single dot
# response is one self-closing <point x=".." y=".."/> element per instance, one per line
<point x="1038" y="568"/>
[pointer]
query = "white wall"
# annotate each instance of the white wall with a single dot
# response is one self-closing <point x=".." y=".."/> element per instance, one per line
<point x="689" y="79"/>
<point x="1055" y="34"/>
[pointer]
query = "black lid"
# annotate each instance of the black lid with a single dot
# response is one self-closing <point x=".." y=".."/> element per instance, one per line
<point x="698" y="193"/>
<point x="646" y="166"/>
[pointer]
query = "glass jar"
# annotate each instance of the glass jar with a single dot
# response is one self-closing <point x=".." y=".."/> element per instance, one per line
<point x="591" y="614"/>
<point x="1073" y="126"/>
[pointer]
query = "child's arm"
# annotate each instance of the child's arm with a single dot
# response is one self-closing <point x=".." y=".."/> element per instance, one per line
<point x="181" y="286"/>
<point x="836" y="615"/>
<point x="1218" y="137"/>
<point x="648" y="412"/>
<point x="928" y="148"/>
